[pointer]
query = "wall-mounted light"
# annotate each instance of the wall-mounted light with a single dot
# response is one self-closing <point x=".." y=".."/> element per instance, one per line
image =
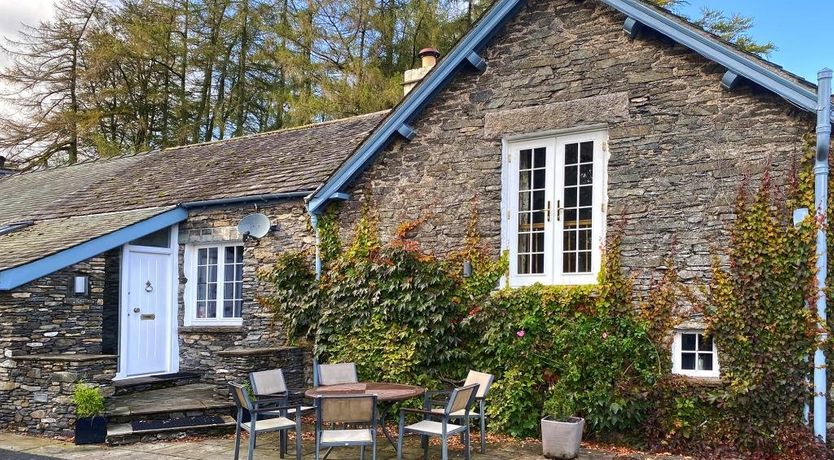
<point x="467" y="269"/>
<point x="81" y="285"/>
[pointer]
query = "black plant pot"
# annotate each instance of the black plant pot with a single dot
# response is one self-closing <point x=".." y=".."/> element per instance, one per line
<point x="90" y="430"/>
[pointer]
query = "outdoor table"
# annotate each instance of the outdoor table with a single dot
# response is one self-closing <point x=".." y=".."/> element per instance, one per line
<point x="387" y="394"/>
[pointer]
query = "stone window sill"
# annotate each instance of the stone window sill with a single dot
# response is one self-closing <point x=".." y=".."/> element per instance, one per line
<point x="207" y="329"/>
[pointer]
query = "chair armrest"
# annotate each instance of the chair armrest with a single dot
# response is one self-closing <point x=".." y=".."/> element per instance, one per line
<point x="297" y="408"/>
<point x="452" y="382"/>
<point x="418" y="411"/>
<point x="431" y="393"/>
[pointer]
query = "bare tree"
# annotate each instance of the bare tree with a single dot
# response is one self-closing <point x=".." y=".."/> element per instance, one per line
<point x="43" y="84"/>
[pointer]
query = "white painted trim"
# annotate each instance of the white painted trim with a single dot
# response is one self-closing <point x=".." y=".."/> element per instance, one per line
<point x="172" y="362"/>
<point x="190" y="293"/>
<point x="676" y="357"/>
<point x="510" y="146"/>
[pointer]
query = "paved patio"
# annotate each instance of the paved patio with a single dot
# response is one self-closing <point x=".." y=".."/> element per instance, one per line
<point x="17" y="447"/>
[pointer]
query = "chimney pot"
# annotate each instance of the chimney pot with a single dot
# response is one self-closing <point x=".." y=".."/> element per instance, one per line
<point x="428" y="57"/>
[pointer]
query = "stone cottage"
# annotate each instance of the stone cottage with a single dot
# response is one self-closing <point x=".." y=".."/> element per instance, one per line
<point x="554" y="117"/>
<point x="115" y="270"/>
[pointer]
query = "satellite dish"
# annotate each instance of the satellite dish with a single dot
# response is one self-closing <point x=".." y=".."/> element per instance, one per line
<point x="255" y="225"/>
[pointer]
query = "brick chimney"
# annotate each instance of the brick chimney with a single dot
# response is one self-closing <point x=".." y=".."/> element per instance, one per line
<point x="428" y="59"/>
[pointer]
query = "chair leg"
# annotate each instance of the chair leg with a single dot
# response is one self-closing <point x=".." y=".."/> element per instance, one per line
<point x="282" y="443"/>
<point x="361" y="452"/>
<point x="483" y="433"/>
<point x="444" y="448"/>
<point x="251" y="445"/>
<point x="467" y="444"/>
<point x="373" y="448"/>
<point x="399" y="443"/>
<point x="318" y="454"/>
<point x="237" y="442"/>
<point x="424" y="441"/>
<point x="298" y="444"/>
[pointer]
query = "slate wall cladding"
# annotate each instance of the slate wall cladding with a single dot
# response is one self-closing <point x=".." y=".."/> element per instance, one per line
<point x="51" y="338"/>
<point x="199" y="345"/>
<point x="679" y="144"/>
<point x="44" y="316"/>
<point x="36" y="398"/>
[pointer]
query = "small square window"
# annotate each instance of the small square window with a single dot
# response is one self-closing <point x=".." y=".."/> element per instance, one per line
<point x="694" y="354"/>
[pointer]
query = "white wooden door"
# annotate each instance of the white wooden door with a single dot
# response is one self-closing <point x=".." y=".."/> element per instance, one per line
<point x="147" y="313"/>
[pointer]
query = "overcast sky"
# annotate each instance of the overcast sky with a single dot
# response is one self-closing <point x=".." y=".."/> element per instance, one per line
<point x="13" y="13"/>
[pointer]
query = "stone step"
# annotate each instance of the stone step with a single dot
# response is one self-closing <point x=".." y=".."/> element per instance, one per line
<point x="192" y="400"/>
<point x="142" y="430"/>
<point x="155" y="382"/>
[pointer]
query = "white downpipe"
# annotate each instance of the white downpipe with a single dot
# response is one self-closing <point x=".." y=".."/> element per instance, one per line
<point x="821" y="201"/>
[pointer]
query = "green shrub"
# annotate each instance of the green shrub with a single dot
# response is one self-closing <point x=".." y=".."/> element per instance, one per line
<point x="88" y="400"/>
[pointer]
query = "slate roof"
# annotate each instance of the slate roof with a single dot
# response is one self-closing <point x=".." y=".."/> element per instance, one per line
<point x="88" y="201"/>
<point x="50" y="236"/>
<point x="290" y="160"/>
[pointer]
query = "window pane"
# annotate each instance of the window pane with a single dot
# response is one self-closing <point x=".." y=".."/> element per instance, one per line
<point x="586" y="152"/>
<point x="524" y="243"/>
<point x="538" y="263"/>
<point x="704" y="361"/>
<point x="584" y="238"/>
<point x="202" y="256"/>
<point x="538" y="242"/>
<point x="569" y="262"/>
<point x="212" y="291"/>
<point x="524" y="201"/>
<point x="212" y="273"/>
<point x="586" y="196"/>
<point x="538" y="178"/>
<point x="569" y="241"/>
<point x="212" y="256"/>
<point x="704" y="343"/>
<point x="524" y="264"/>
<point x="239" y="256"/>
<point x="570" y="175"/>
<point x="586" y="174"/>
<point x="538" y="200"/>
<point x="688" y="341"/>
<point x="688" y="361"/>
<point x="228" y="308"/>
<point x="571" y="154"/>
<point x="229" y="254"/>
<point x="157" y="239"/>
<point x="229" y="290"/>
<point x="201" y="309"/>
<point x="570" y="197"/>
<point x="212" y="310"/>
<point x="524" y="180"/>
<point x="570" y="218"/>
<point x="583" y="262"/>
<point x="526" y="160"/>
<point x="585" y="215"/>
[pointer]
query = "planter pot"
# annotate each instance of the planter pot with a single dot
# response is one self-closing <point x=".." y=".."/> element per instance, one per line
<point x="90" y="430"/>
<point x="561" y="439"/>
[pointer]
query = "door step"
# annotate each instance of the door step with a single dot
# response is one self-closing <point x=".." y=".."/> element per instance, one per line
<point x="143" y="430"/>
<point x="155" y="382"/>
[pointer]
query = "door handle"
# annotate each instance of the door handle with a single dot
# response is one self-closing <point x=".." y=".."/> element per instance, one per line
<point x="547" y="211"/>
<point x="146" y="316"/>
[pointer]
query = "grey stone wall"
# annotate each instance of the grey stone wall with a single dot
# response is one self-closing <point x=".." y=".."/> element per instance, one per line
<point x="201" y="346"/>
<point x="679" y="144"/>
<point x="111" y="300"/>
<point x="36" y="391"/>
<point x="44" y="316"/>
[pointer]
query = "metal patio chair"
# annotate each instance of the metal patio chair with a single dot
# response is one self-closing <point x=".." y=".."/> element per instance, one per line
<point x="240" y="395"/>
<point x="270" y="388"/>
<point x="337" y="418"/>
<point x="484" y="382"/>
<point x="460" y="402"/>
<point x="335" y="374"/>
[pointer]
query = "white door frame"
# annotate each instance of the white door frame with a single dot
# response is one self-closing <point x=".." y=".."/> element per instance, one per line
<point x="172" y="251"/>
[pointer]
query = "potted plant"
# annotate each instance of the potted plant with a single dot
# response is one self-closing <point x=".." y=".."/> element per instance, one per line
<point x="90" y="425"/>
<point x="561" y="432"/>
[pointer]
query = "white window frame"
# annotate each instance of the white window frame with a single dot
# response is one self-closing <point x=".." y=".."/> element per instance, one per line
<point x="190" y="294"/>
<point x="677" y="358"/>
<point x="554" y="142"/>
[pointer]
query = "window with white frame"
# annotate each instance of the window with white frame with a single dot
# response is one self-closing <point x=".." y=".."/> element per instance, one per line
<point x="554" y="198"/>
<point x="694" y="354"/>
<point x="214" y="293"/>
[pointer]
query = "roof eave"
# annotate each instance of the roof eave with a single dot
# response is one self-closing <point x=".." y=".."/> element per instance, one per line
<point x="14" y="277"/>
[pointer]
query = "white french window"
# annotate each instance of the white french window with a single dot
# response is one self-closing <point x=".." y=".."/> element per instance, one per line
<point x="554" y="197"/>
